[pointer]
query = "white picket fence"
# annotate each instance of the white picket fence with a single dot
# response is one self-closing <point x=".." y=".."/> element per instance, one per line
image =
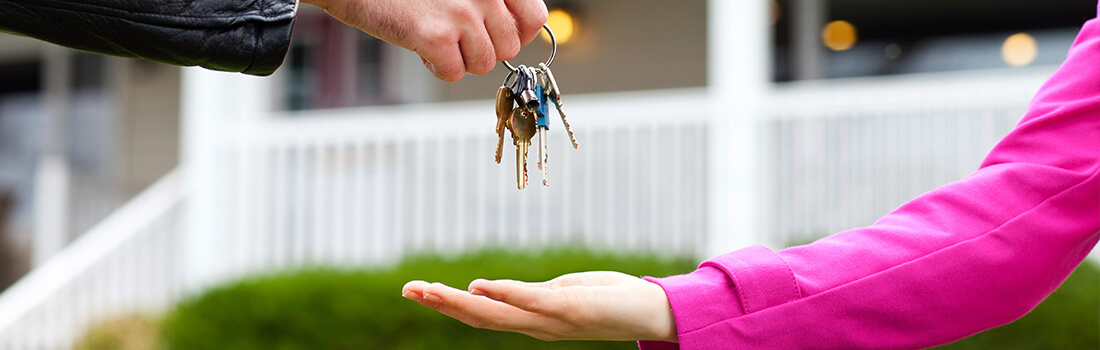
<point x="363" y="187"/>
<point x="367" y="186"/>
<point x="841" y="155"/>
<point x="126" y="263"/>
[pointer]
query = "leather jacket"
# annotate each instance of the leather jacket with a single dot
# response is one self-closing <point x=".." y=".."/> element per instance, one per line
<point x="248" y="36"/>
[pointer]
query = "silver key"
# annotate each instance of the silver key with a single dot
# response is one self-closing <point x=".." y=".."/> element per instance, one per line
<point x="543" y="112"/>
<point x="544" y="162"/>
<point x="554" y="95"/>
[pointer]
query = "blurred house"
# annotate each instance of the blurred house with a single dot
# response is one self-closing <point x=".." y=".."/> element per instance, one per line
<point x="704" y="126"/>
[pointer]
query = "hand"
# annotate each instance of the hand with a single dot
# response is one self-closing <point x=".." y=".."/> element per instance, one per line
<point x="451" y="36"/>
<point x="580" y="306"/>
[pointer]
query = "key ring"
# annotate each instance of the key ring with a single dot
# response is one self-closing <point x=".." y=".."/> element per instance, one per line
<point x="511" y="74"/>
<point x="554" y="51"/>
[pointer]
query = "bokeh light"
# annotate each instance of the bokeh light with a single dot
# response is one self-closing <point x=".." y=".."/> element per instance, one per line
<point x="561" y="22"/>
<point x="839" y="35"/>
<point x="776" y="12"/>
<point x="1019" y="50"/>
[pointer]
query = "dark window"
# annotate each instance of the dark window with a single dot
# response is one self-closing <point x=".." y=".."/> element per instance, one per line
<point x="18" y="77"/>
<point x="331" y="65"/>
<point x="899" y="37"/>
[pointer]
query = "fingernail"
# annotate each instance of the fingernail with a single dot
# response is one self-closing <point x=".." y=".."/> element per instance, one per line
<point x="478" y="292"/>
<point x="433" y="298"/>
<point x="411" y="295"/>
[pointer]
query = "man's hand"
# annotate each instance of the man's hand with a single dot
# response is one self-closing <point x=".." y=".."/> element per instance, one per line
<point x="451" y="36"/>
<point x="580" y="306"/>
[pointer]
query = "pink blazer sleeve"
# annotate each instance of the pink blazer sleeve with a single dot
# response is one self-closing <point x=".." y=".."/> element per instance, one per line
<point x="965" y="257"/>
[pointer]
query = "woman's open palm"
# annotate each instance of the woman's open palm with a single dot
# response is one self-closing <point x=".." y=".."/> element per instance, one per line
<point x="600" y="305"/>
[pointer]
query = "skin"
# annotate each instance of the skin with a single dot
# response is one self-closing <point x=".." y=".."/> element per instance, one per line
<point x="599" y="305"/>
<point x="452" y="37"/>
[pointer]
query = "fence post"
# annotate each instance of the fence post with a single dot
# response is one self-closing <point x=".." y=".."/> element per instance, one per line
<point x="212" y="103"/>
<point x="52" y="177"/>
<point x="738" y="73"/>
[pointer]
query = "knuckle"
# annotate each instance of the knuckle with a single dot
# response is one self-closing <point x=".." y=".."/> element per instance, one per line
<point x="466" y="14"/>
<point x="534" y="305"/>
<point x="483" y="66"/>
<point x="509" y="50"/>
<point x="536" y="16"/>
<point x="435" y="36"/>
<point x="449" y="72"/>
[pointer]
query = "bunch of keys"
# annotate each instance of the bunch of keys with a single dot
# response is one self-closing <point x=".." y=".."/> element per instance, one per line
<point x="522" y="109"/>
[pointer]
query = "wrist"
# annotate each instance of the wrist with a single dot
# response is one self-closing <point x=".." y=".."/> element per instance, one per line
<point x="664" y="322"/>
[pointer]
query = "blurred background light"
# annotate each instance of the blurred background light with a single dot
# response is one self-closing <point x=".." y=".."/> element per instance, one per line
<point x="1019" y="50"/>
<point x="561" y="22"/>
<point x="892" y="51"/>
<point x="839" y="35"/>
<point x="776" y="12"/>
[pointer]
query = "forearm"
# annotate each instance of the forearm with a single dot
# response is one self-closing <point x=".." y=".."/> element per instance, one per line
<point x="238" y="36"/>
<point x="963" y="258"/>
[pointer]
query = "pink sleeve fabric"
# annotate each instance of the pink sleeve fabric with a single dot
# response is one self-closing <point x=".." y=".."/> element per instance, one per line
<point x="968" y="256"/>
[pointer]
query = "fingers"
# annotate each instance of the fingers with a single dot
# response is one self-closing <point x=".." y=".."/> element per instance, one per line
<point x="478" y="53"/>
<point x="525" y="296"/>
<point x="530" y="16"/>
<point x="518" y="283"/>
<point x="473" y="310"/>
<point x="452" y="37"/>
<point x="440" y="53"/>
<point x="501" y="26"/>
<point x="414" y="290"/>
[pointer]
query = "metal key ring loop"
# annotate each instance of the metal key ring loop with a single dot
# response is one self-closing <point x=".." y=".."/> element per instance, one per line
<point x="509" y="77"/>
<point x="553" y="51"/>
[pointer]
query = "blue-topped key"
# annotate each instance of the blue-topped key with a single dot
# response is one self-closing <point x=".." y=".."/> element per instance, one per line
<point x="543" y="109"/>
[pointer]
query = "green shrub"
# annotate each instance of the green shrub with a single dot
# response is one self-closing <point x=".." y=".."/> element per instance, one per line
<point x="356" y="309"/>
<point x="353" y="309"/>
<point x="134" y="332"/>
<point x="1068" y="319"/>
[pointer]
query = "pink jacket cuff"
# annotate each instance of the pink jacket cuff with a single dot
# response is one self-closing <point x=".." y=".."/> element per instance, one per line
<point x="753" y="278"/>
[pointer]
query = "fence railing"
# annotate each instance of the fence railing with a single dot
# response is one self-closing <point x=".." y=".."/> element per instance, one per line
<point x="368" y="186"/>
<point x="126" y="263"/>
<point x="842" y="154"/>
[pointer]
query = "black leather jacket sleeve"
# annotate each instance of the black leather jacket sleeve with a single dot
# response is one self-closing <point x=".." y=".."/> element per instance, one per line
<point x="248" y="36"/>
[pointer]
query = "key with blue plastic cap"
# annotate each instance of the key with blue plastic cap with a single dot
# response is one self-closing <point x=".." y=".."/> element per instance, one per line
<point x="540" y="113"/>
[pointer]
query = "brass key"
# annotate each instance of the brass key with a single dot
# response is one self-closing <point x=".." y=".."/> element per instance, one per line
<point x="555" y="96"/>
<point x="523" y="129"/>
<point x="505" y="103"/>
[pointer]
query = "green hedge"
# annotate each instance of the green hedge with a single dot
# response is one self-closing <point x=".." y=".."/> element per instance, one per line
<point x="349" y="309"/>
<point x="354" y="309"/>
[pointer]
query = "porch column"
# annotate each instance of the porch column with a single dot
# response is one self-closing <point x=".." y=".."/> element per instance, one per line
<point x="738" y="77"/>
<point x="807" y="53"/>
<point x="210" y="104"/>
<point x="51" y="189"/>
